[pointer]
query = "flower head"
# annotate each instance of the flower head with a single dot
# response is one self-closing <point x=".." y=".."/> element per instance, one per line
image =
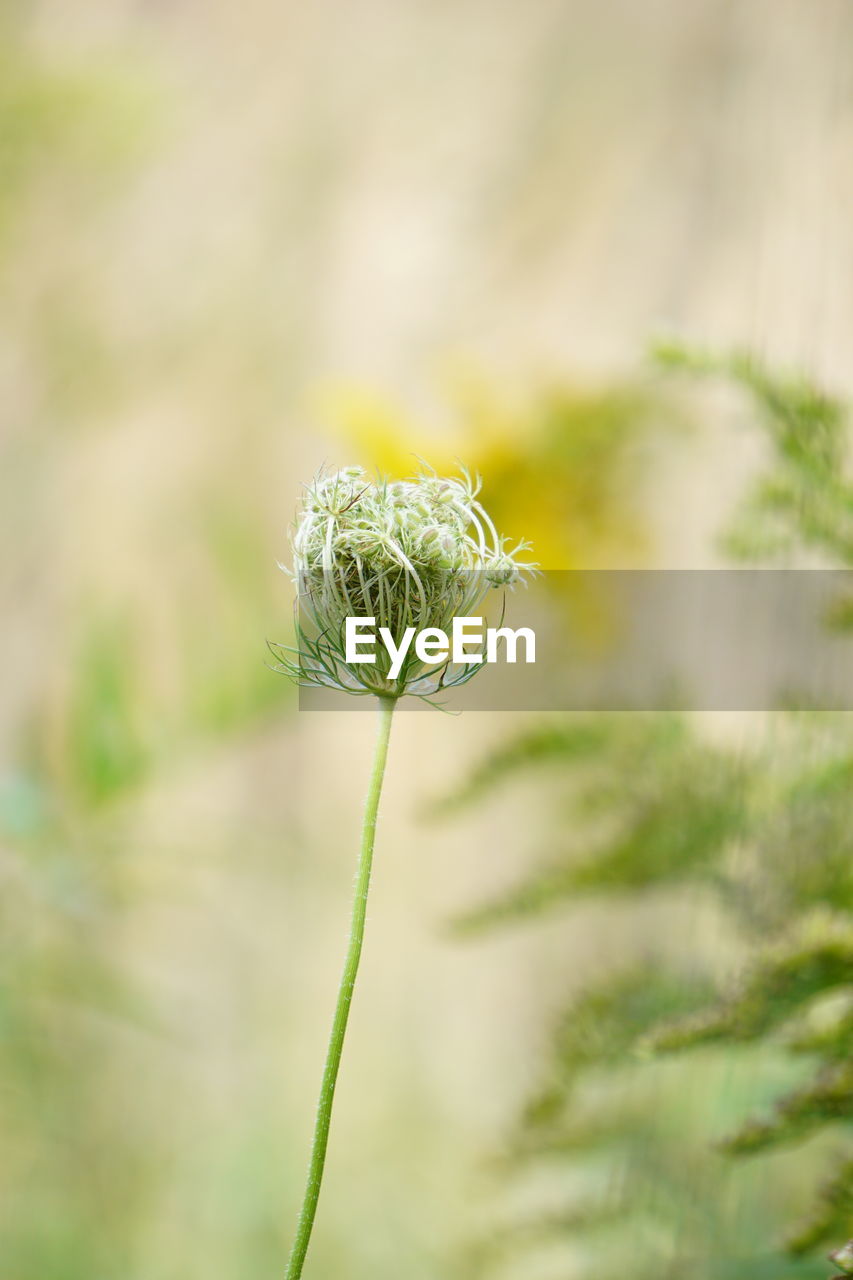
<point x="408" y="553"/>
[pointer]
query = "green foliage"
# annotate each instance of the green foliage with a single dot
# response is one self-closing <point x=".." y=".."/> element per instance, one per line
<point x="70" y="1144"/>
<point x="827" y="1098"/>
<point x="832" y="1215"/>
<point x="662" y="803"/>
<point x="781" y="978"/>
<point x="762" y="839"/>
<point x="804" y="498"/>
<point x="105" y="748"/>
<point x="604" y="1022"/>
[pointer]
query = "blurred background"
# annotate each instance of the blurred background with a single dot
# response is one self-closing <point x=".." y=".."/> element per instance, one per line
<point x="237" y="243"/>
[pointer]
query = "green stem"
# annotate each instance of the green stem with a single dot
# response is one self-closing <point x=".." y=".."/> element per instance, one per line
<point x="342" y="1008"/>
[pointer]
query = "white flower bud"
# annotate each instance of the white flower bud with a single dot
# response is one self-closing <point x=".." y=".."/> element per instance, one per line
<point x="409" y="553"/>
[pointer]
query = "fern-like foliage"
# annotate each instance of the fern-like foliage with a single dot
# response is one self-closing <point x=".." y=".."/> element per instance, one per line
<point x="764" y="839"/>
<point x="804" y="498"/>
<point x="656" y="806"/>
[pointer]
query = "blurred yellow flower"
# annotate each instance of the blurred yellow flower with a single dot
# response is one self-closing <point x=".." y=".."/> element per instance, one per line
<point x="565" y="468"/>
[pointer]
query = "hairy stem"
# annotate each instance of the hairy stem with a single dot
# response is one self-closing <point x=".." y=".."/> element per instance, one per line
<point x="342" y="1007"/>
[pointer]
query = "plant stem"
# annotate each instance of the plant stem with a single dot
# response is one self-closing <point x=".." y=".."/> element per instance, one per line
<point x="342" y="1007"/>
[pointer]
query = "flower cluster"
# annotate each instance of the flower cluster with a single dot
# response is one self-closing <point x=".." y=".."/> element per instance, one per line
<point x="409" y="553"/>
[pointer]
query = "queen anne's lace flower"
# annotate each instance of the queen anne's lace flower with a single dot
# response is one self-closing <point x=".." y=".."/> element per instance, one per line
<point x="409" y="553"/>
